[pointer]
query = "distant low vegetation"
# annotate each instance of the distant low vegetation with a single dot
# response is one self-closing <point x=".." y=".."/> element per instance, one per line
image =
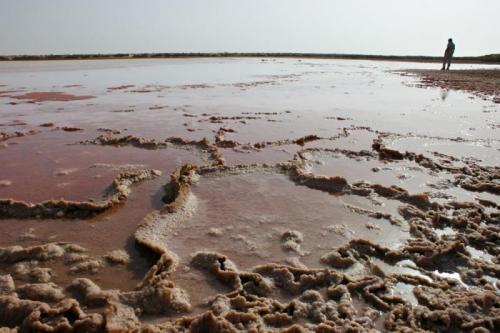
<point x="491" y="58"/>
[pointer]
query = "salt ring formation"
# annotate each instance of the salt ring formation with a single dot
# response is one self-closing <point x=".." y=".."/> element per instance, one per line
<point x="247" y="195"/>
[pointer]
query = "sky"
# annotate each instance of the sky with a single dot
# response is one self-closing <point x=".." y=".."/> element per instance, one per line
<point x="389" y="27"/>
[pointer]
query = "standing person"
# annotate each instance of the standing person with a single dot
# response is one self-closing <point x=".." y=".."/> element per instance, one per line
<point x="448" y="54"/>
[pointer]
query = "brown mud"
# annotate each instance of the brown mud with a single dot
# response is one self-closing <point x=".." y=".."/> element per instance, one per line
<point x="483" y="83"/>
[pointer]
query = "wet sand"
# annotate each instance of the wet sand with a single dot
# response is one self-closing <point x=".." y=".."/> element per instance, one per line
<point x="226" y="195"/>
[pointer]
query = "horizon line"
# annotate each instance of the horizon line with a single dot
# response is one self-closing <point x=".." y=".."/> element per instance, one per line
<point x="488" y="58"/>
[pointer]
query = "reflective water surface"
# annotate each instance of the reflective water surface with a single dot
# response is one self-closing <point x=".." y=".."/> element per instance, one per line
<point x="320" y="112"/>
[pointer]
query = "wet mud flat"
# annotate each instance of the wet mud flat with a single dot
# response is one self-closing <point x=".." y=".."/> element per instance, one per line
<point x="482" y="82"/>
<point x="245" y="195"/>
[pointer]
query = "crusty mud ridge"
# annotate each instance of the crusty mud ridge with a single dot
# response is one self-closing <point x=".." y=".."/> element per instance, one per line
<point x="358" y="290"/>
<point x="484" y="83"/>
<point x="7" y="136"/>
<point x="42" y="306"/>
<point x="115" y="194"/>
<point x="174" y="142"/>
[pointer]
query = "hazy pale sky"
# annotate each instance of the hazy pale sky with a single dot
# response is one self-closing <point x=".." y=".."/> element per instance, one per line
<point x="400" y="27"/>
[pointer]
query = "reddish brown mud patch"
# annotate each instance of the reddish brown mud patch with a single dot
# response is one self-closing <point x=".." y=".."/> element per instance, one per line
<point x="50" y="96"/>
<point x="8" y="92"/>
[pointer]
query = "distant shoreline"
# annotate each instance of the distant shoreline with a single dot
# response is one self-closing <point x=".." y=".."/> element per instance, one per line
<point x="486" y="59"/>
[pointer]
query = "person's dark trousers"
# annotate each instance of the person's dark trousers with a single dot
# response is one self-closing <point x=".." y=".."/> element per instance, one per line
<point x="446" y="62"/>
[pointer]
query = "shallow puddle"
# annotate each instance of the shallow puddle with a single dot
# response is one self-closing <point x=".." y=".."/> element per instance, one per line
<point x="405" y="174"/>
<point x="486" y="152"/>
<point x="249" y="217"/>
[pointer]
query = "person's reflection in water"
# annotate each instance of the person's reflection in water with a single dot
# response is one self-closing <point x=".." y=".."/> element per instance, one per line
<point x="444" y="94"/>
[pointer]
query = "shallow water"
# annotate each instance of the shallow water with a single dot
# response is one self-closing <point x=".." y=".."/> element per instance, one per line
<point x="264" y="107"/>
<point x="253" y="211"/>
